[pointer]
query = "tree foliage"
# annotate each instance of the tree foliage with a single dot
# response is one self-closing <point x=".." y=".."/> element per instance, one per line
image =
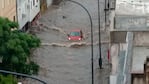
<point x="15" y="48"/>
<point x="8" y="79"/>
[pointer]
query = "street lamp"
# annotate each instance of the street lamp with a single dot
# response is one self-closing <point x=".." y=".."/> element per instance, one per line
<point x="100" y="58"/>
<point x="92" y="54"/>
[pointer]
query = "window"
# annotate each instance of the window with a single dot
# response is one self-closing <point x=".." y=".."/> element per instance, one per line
<point x="75" y="34"/>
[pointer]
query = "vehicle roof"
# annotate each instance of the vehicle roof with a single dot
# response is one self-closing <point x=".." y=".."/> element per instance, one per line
<point x="76" y="30"/>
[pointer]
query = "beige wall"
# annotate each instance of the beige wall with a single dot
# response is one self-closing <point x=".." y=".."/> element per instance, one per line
<point x="8" y="9"/>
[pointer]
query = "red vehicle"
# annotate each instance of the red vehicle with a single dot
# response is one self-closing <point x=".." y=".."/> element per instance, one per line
<point x="75" y="35"/>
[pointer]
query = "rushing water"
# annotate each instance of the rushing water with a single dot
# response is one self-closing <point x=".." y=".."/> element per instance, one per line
<point x="66" y="62"/>
<point x="63" y="65"/>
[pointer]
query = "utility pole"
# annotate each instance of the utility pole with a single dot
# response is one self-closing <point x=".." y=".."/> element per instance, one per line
<point x="108" y="4"/>
<point x="105" y="13"/>
<point x="100" y="58"/>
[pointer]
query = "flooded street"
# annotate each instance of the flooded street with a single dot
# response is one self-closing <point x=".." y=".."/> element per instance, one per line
<point x="67" y="62"/>
<point x="62" y="65"/>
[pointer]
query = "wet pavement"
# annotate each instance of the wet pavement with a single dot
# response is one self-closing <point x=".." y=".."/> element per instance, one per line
<point x="66" y="62"/>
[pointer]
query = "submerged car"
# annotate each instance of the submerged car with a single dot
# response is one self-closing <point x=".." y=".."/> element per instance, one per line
<point x="75" y="35"/>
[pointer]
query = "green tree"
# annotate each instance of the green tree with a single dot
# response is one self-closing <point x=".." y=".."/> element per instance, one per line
<point x="15" y="48"/>
<point x="8" y="79"/>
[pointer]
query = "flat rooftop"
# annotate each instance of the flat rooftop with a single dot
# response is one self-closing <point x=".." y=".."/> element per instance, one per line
<point x="132" y="15"/>
<point x="138" y="59"/>
<point x="132" y="7"/>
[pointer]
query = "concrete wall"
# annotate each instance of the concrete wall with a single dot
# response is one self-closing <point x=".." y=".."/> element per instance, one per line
<point x="114" y="51"/>
<point x="141" y="39"/>
<point x="111" y="20"/>
<point x="8" y="9"/>
<point x="113" y="79"/>
<point x="131" y="23"/>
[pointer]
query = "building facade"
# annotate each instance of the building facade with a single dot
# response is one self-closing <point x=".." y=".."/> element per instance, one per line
<point x="8" y="9"/>
<point x="129" y="26"/>
<point x="34" y="9"/>
<point x="22" y="13"/>
<point x="27" y="12"/>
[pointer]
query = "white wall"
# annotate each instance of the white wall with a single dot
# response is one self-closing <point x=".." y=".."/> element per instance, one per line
<point x="34" y="9"/>
<point x="49" y="2"/>
<point x="22" y="12"/>
<point x="26" y="11"/>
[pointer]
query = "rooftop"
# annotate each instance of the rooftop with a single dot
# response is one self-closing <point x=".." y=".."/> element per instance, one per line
<point x="132" y="15"/>
<point x="132" y="7"/>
